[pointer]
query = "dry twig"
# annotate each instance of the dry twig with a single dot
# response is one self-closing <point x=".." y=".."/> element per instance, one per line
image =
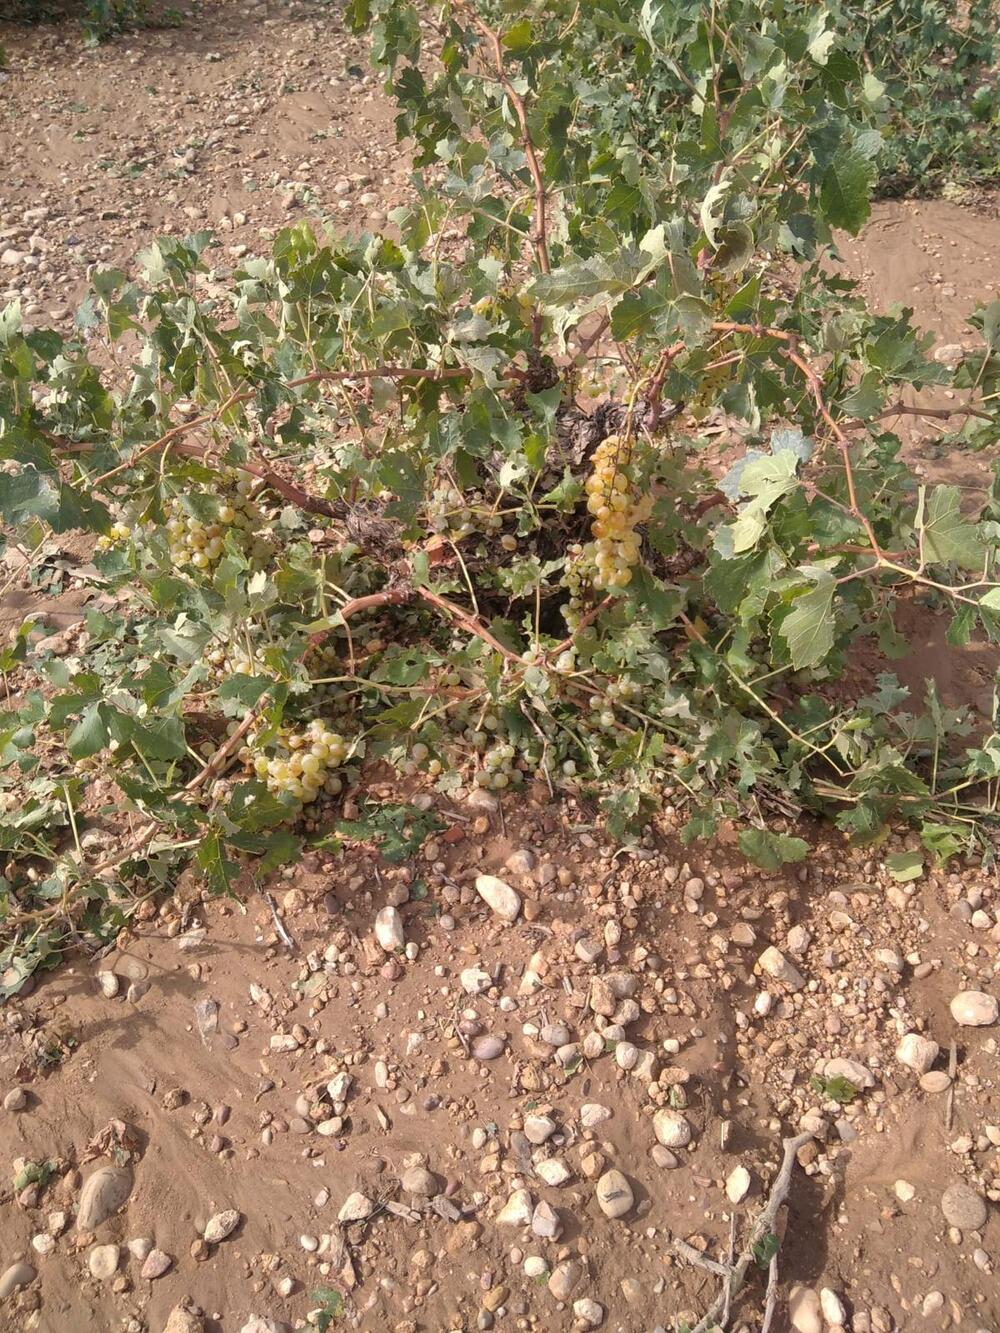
<point x="734" y="1275"/>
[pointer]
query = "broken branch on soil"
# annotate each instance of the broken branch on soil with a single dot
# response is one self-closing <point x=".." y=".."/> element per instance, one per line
<point x="734" y="1275"/>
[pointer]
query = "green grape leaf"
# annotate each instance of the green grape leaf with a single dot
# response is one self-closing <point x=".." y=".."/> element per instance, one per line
<point x="945" y="536"/>
<point x="770" y="850"/>
<point x="808" y="628"/>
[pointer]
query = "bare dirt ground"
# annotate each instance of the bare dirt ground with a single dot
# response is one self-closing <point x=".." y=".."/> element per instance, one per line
<point x="427" y="1129"/>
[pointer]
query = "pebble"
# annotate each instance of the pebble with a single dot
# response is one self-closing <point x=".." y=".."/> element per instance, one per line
<point x="738" y="1184"/>
<point x="626" y="1055"/>
<point x="832" y="1306"/>
<point x="355" y="1208"/>
<point x="521" y="862"/>
<point x="516" y="1212"/>
<point x="500" y="897"/>
<point x="854" y="1072"/>
<point x="102" y="1261"/>
<point x="593" y="1114"/>
<point x="389" y="930"/>
<point x="535" y="1266"/>
<point x="963" y="1207"/>
<point x="974" y="1009"/>
<point x="140" y="1248"/>
<point x="15" y="1277"/>
<point x="553" y="1172"/>
<point x="15" y="1100"/>
<point x="917" y="1052"/>
<point x="103" y="1193"/>
<point x="663" y="1157"/>
<point x="222" y="1225"/>
<point x="937" y="1080"/>
<point x="564" y="1278"/>
<point x="474" y="981"/>
<point x="418" y="1180"/>
<point x="904" y="1191"/>
<point x="109" y="984"/>
<point x="545" y="1221"/>
<point x="589" y="1312"/>
<point x="157" y="1263"/>
<point x="614" y="1194"/>
<point x="774" y="964"/>
<point x="804" y="1310"/>
<point x="538" y="1128"/>
<point x="671" y="1128"/>
<point x="488" y="1047"/>
<point x="181" y="1320"/>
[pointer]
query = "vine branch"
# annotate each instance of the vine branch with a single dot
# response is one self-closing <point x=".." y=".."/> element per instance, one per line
<point x="539" y="234"/>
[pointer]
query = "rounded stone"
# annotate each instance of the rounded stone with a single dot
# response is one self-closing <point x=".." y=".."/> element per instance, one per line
<point x="565" y="1277"/>
<point x="614" y="1194"/>
<point x="103" y="1193"/>
<point x="917" y="1053"/>
<point x="487" y="1047"/>
<point x="963" y="1207"/>
<point x="14" y="1278"/>
<point x="418" y="1180"/>
<point x="103" y="1261"/>
<point x="974" y="1009"/>
<point x="671" y="1128"/>
<point x="804" y="1310"/>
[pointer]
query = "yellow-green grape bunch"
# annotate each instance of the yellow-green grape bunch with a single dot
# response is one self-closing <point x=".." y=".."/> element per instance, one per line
<point x="610" y="498"/>
<point x="199" y="544"/>
<point x="306" y="764"/>
<point x="449" y="512"/>
<point x="118" y="532"/>
<point x="498" y="770"/>
<point x="229" y="661"/>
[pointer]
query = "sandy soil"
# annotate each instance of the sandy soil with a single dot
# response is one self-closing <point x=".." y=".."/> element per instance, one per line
<point x="277" y="1082"/>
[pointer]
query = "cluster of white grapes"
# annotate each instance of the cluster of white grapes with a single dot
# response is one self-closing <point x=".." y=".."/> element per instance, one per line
<point x="117" y="533"/>
<point x="305" y="765"/>
<point x="607" y="562"/>
<point x="450" y="513"/>
<point x="199" y="544"/>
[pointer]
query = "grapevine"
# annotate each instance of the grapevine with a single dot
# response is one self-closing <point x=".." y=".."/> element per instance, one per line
<point x="586" y="482"/>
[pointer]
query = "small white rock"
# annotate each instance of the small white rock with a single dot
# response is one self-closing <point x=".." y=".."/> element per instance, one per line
<point x="517" y="1211"/>
<point x="917" y="1052"/>
<point x="474" y="981"/>
<point x="589" y="1312"/>
<point x="593" y="1114"/>
<point x="774" y="964"/>
<point x="553" y="1172"/>
<point x="832" y="1306"/>
<point x="671" y="1128"/>
<point x="614" y="1194"/>
<point x="222" y="1225"/>
<point x="355" y="1208"/>
<point x="500" y="897"/>
<point x="854" y="1072"/>
<point x="804" y="1310"/>
<point x="974" y="1009"/>
<point x="738" y="1184"/>
<point x="102" y="1260"/>
<point x="626" y="1055"/>
<point x="538" y="1128"/>
<point x="389" y="930"/>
